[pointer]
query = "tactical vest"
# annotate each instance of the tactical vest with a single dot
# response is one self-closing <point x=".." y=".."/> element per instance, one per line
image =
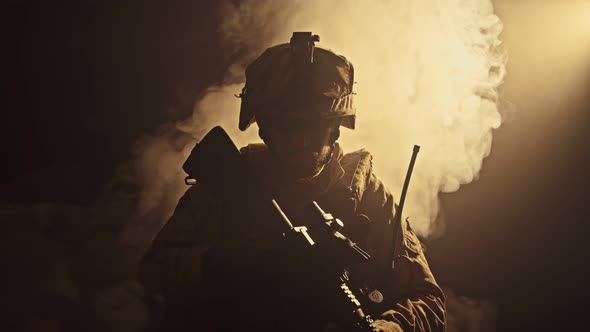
<point x="343" y="198"/>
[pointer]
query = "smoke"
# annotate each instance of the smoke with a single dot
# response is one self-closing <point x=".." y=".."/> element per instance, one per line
<point x="552" y="66"/>
<point x="427" y="74"/>
<point x="158" y="160"/>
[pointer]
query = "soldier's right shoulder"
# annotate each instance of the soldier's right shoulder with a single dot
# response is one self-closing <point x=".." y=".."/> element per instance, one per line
<point x="193" y="219"/>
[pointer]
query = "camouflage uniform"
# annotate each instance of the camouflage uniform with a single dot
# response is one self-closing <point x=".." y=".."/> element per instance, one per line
<point x="347" y="188"/>
<point x="300" y="80"/>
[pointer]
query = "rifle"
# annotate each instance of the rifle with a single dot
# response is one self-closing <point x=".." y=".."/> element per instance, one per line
<point x="216" y="164"/>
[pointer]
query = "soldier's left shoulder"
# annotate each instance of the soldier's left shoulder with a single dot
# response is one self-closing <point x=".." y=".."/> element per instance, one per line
<point x="358" y="167"/>
<point x="373" y="196"/>
<point x="361" y="160"/>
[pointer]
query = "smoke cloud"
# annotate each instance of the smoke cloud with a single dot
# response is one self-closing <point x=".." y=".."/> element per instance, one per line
<point x="427" y="73"/>
<point x="552" y="66"/>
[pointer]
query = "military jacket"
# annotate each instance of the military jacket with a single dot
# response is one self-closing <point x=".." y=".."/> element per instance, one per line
<point x="348" y="189"/>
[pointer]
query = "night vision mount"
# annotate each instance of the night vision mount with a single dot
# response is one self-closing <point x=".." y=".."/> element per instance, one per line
<point x="303" y="44"/>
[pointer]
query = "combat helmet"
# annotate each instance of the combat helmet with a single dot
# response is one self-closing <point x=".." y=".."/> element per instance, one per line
<point x="297" y="79"/>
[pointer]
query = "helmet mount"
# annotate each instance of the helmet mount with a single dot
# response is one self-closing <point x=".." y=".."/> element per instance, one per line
<point x="302" y="45"/>
<point x="298" y="79"/>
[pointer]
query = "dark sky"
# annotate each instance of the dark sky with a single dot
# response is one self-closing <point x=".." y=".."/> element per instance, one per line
<point x="84" y="79"/>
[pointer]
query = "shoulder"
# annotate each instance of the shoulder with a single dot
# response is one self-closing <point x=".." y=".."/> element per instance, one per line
<point x="194" y="215"/>
<point x="357" y="166"/>
<point x="372" y="195"/>
<point x="198" y="212"/>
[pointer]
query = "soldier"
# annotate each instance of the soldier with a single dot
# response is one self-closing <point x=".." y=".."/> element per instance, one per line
<point x="300" y="95"/>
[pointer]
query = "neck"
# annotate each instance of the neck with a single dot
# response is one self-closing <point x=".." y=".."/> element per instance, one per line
<point x="320" y="170"/>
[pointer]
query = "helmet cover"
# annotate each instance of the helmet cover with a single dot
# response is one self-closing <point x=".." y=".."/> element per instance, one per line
<point x="298" y="79"/>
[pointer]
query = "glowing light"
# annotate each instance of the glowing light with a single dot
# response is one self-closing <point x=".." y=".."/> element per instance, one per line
<point x="426" y="71"/>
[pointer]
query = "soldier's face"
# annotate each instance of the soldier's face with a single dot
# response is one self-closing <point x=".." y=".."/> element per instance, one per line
<point x="301" y="147"/>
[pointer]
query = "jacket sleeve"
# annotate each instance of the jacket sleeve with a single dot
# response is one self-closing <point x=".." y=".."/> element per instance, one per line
<point x="413" y="299"/>
<point x="173" y="263"/>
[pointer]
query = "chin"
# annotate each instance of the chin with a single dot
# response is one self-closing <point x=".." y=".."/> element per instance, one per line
<point x="299" y="169"/>
<point x="301" y="164"/>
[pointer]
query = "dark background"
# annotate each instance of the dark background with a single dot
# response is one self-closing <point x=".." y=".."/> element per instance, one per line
<point x="84" y="79"/>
